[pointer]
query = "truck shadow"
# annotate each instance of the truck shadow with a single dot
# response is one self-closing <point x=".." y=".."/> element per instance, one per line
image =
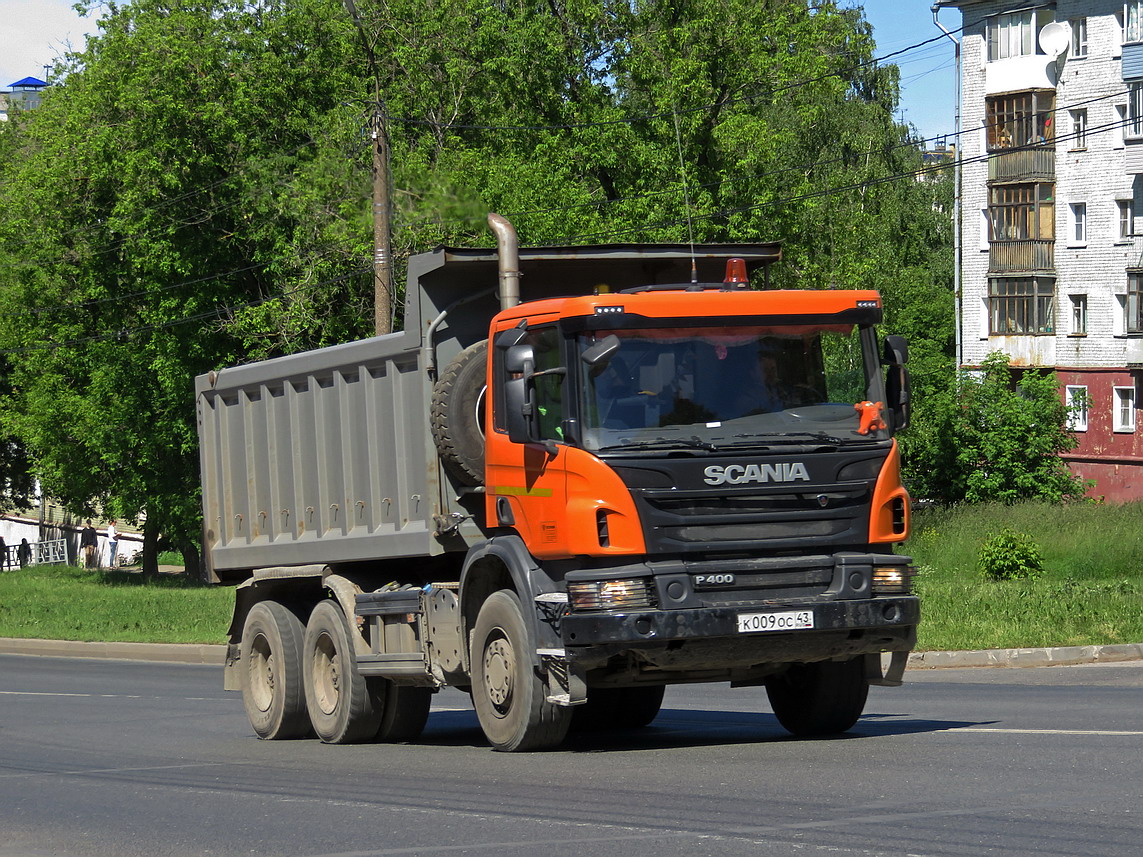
<point x="677" y="728"/>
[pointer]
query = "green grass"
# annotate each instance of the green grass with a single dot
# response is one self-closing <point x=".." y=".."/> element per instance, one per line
<point x="1091" y="590"/>
<point x="65" y="603"/>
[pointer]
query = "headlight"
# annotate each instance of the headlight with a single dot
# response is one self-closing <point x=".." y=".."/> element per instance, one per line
<point x="596" y="595"/>
<point x="893" y="580"/>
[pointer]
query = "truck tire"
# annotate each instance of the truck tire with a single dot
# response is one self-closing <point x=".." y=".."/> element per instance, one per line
<point x="341" y="707"/>
<point x="271" y="652"/>
<point x="618" y="708"/>
<point x="404" y="709"/>
<point x="823" y="698"/>
<point x="508" y="695"/>
<point x="456" y="414"/>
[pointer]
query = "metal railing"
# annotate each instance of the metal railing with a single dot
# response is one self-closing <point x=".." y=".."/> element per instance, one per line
<point x="34" y="553"/>
<point x="1037" y="254"/>
<point x="1030" y="163"/>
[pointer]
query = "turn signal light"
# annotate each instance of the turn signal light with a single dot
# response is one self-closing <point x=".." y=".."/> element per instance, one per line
<point x="893" y="580"/>
<point x="598" y="595"/>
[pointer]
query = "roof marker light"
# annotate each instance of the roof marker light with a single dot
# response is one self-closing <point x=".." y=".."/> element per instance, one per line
<point x="736" y="273"/>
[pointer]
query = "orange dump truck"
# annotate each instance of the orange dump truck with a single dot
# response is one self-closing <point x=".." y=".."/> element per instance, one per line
<point x="577" y="476"/>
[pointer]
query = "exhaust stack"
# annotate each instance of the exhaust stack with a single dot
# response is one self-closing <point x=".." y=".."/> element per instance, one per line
<point x="507" y="250"/>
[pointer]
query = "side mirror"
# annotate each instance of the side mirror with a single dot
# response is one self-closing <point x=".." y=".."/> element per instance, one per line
<point x="896" y="351"/>
<point x="898" y="386"/>
<point x="600" y="352"/>
<point x="510" y="337"/>
<point x="519" y="366"/>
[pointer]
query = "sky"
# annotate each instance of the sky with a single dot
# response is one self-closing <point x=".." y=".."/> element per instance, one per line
<point x="33" y="33"/>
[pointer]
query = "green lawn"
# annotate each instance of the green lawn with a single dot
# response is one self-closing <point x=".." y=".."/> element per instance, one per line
<point x="1091" y="590"/>
<point x="64" y="603"/>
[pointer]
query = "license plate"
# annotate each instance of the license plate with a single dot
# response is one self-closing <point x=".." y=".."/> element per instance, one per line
<point x="794" y="620"/>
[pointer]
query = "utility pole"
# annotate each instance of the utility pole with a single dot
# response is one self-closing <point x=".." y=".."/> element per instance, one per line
<point x="382" y="246"/>
<point x="382" y="252"/>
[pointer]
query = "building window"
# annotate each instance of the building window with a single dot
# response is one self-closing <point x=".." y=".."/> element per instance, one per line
<point x="1133" y="21"/>
<point x="1134" y="304"/>
<point x="1021" y="119"/>
<point x="1079" y="315"/>
<point x="1134" y="126"/>
<point x="1119" y="126"/>
<point x="1021" y="212"/>
<point x="1021" y="305"/>
<point x="1079" y="37"/>
<point x="1124" y="416"/>
<point x="1014" y="34"/>
<point x="1126" y="209"/>
<point x="1076" y="400"/>
<point x="1079" y="129"/>
<point x="1010" y="36"/>
<point x="1078" y="229"/>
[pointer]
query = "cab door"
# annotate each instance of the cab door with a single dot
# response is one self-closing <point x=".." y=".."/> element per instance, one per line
<point x="527" y="482"/>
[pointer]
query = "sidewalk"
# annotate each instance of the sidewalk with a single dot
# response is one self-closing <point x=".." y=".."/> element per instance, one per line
<point x="204" y="654"/>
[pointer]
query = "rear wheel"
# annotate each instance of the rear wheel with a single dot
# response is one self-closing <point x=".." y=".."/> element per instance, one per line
<point x="822" y="698"/>
<point x="338" y="698"/>
<point x="271" y="655"/>
<point x="618" y="708"/>
<point x="507" y="693"/>
<point x="404" y="709"/>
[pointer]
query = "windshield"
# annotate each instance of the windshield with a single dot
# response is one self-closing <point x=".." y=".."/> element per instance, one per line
<point x="694" y="387"/>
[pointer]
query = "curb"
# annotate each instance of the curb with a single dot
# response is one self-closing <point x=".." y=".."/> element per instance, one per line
<point x="176" y="653"/>
<point x="1049" y="657"/>
<point x="171" y="653"/>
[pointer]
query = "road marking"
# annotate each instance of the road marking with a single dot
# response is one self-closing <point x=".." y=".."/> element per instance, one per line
<point x="1042" y="731"/>
<point x="88" y="695"/>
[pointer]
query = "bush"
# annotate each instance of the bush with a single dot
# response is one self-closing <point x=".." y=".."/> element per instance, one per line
<point x="996" y="436"/>
<point x="1010" y="556"/>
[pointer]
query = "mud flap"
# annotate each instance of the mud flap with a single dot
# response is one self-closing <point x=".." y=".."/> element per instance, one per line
<point x="892" y="677"/>
<point x="564" y="683"/>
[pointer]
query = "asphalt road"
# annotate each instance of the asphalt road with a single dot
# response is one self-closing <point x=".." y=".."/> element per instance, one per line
<point x="115" y="758"/>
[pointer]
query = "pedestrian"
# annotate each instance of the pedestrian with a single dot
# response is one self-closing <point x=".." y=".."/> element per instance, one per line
<point x="88" y="545"/>
<point x="112" y="543"/>
<point x="3" y="554"/>
<point x="24" y="553"/>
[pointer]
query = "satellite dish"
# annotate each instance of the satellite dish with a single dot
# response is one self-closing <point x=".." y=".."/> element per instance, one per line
<point x="1054" y="38"/>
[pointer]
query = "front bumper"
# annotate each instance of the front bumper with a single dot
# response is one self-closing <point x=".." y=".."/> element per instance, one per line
<point x="846" y="627"/>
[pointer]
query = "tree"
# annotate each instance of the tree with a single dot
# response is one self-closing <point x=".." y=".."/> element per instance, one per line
<point x="155" y="197"/>
<point x="998" y="437"/>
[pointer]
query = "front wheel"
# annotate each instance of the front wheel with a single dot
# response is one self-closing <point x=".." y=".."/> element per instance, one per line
<point x="618" y="708"/>
<point x="822" y="698"/>
<point x="507" y="693"/>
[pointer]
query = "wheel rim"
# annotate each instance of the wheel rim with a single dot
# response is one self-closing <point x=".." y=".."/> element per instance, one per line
<point x="263" y="673"/>
<point x="499" y="672"/>
<point x="327" y="674"/>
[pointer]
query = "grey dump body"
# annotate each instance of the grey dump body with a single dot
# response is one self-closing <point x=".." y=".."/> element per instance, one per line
<point x="322" y="482"/>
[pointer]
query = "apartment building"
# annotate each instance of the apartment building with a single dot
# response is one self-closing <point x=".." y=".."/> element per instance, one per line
<point x="1051" y="182"/>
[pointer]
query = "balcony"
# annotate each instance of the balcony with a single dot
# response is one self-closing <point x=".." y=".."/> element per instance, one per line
<point x="1012" y="256"/>
<point x="1035" y="162"/>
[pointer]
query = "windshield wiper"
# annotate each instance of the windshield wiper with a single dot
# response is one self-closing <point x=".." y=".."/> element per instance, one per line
<point x="789" y="437"/>
<point x="663" y="443"/>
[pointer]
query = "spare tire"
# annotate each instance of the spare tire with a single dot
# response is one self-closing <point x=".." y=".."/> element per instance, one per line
<point x="456" y="414"/>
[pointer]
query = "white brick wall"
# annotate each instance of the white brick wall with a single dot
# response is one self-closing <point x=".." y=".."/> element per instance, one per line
<point x="1095" y="175"/>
